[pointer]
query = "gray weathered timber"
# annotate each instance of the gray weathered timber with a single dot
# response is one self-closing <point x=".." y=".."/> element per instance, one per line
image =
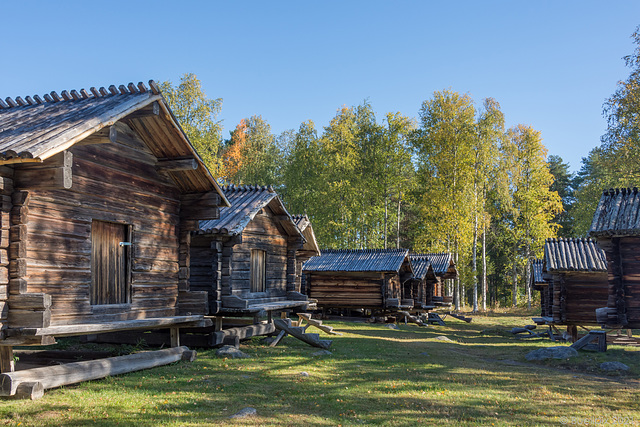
<point x="71" y="373"/>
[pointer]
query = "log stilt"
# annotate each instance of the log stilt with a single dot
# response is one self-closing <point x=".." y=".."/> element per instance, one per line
<point x="6" y="359"/>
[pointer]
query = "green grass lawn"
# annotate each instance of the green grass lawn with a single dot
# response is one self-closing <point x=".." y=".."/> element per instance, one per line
<point x="375" y="376"/>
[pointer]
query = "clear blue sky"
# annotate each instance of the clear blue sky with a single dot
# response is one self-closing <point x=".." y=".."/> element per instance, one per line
<point x="550" y="64"/>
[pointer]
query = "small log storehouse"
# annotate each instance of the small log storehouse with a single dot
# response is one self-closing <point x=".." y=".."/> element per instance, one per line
<point x="616" y="226"/>
<point x="100" y="191"/>
<point x="247" y="259"/>
<point x="444" y="268"/>
<point x="359" y="279"/>
<point x="576" y="270"/>
<point x="538" y="283"/>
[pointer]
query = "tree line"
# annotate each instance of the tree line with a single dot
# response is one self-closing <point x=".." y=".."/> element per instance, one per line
<point x="454" y="179"/>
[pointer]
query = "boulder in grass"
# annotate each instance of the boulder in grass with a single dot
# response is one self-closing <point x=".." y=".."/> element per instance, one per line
<point x="443" y="338"/>
<point x="557" y="352"/>
<point x="613" y="366"/>
<point x="392" y="326"/>
<point x="244" y="413"/>
<point x="232" y="352"/>
<point x="322" y="353"/>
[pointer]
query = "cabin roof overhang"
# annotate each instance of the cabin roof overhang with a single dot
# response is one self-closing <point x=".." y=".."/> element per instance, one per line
<point x="246" y="203"/>
<point x="35" y="129"/>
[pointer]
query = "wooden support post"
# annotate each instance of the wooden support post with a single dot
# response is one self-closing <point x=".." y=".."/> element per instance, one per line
<point x="218" y="324"/>
<point x="175" y="337"/>
<point x="6" y="359"/>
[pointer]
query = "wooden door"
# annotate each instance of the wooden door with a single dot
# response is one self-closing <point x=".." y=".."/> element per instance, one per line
<point x="109" y="263"/>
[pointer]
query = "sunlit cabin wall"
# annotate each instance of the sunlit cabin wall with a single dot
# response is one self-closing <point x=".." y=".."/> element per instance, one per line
<point x="112" y="182"/>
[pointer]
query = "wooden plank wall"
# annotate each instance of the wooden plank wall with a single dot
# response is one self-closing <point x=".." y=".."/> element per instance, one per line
<point x="206" y="266"/>
<point x="577" y="295"/>
<point x="361" y="290"/>
<point x="6" y="188"/>
<point x="114" y="182"/>
<point x="261" y="233"/>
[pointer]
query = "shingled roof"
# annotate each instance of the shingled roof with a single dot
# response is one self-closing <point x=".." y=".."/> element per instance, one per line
<point x="537" y="266"/>
<point x="617" y="214"/>
<point x="304" y="225"/>
<point x="562" y="255"/>
<point x="358" y="260"/>
<point x="34" y="129"/>
<point x="246" y="201"/>
<point x="420" y="264"/>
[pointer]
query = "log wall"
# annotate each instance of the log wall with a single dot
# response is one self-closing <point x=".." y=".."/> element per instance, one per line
<point x="115" y="182"/>
<point x="361" y="290"/>
<point x="577" y="295"/>
<point x="6" y="188"/>
<point x="623" y="265"/>
<point x="260" y="233"/>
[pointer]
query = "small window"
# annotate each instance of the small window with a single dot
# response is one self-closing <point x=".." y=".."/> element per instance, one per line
<point x="110" y="266"/>
<point x="258" y="270"/>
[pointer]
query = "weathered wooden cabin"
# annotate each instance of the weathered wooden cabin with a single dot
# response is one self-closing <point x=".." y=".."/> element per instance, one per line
<point x="309" y="249"/>
<point x="576" y="270"/>
<point x="100" y="190"/>
<point x="246" y="260"/>
<point x="444" y="268"/>
<point x="616" y="226"/>
<point x="359" y="279"/>
<point x="539" y="283"/>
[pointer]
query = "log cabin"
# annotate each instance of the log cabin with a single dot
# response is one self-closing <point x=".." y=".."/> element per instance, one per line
<point x="616" y="226"/>
<point x="576" y="270"/>
<point x="246" y="260"/>
<point x="538" y="283"/>
<point x="444" y="268"/>
<point x="420" y="286"/>
<point x="309" y="249"/>
<point x="100" y="190"/>
<point x="359" y="279"/>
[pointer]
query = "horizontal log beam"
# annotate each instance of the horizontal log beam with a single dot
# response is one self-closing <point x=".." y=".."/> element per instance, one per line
<point x="72" y="373"/>
<point x="52" y="174"/>
<point x="96" y="328"/>
<point x="175" y="165"/>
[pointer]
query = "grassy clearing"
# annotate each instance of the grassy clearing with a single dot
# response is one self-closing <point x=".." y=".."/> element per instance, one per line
<point x="376" y="375"/>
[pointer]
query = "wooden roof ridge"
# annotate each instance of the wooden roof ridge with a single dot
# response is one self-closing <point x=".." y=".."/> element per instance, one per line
<point x="73" y="95"/>
<point x="245" y="188"/>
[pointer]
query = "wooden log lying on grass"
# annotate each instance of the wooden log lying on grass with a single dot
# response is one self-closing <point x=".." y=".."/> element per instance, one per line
<point x="71" y="373"/>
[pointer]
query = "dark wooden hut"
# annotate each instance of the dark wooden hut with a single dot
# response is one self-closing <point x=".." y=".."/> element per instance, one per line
<point x="100" y="192"/>
<point x="576" y="270"/>
<point x="616" y="226"/>
<point x="309" y="249"/>
<point x="355" y="279"/>
<point x="539" y="283"/>
<point x="444" y="268"/>
<point x="246" y="260"/>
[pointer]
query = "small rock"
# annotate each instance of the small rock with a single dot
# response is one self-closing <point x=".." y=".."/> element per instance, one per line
<point x="322" y="353"/>
<point x="244" y="413"/>
<point x="424" y="353"/>
<point x="232" y="352"/>
<point x="558" y="352"/>
<point x="392" y="326"/>
<point x="304" y="374"/>
<point x="613" y="366"/>
<point x="443" y="338"/>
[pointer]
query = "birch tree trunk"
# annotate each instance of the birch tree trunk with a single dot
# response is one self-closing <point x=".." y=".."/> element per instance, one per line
<point x="484" y="266"/>
<point x="515" y="280"/>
